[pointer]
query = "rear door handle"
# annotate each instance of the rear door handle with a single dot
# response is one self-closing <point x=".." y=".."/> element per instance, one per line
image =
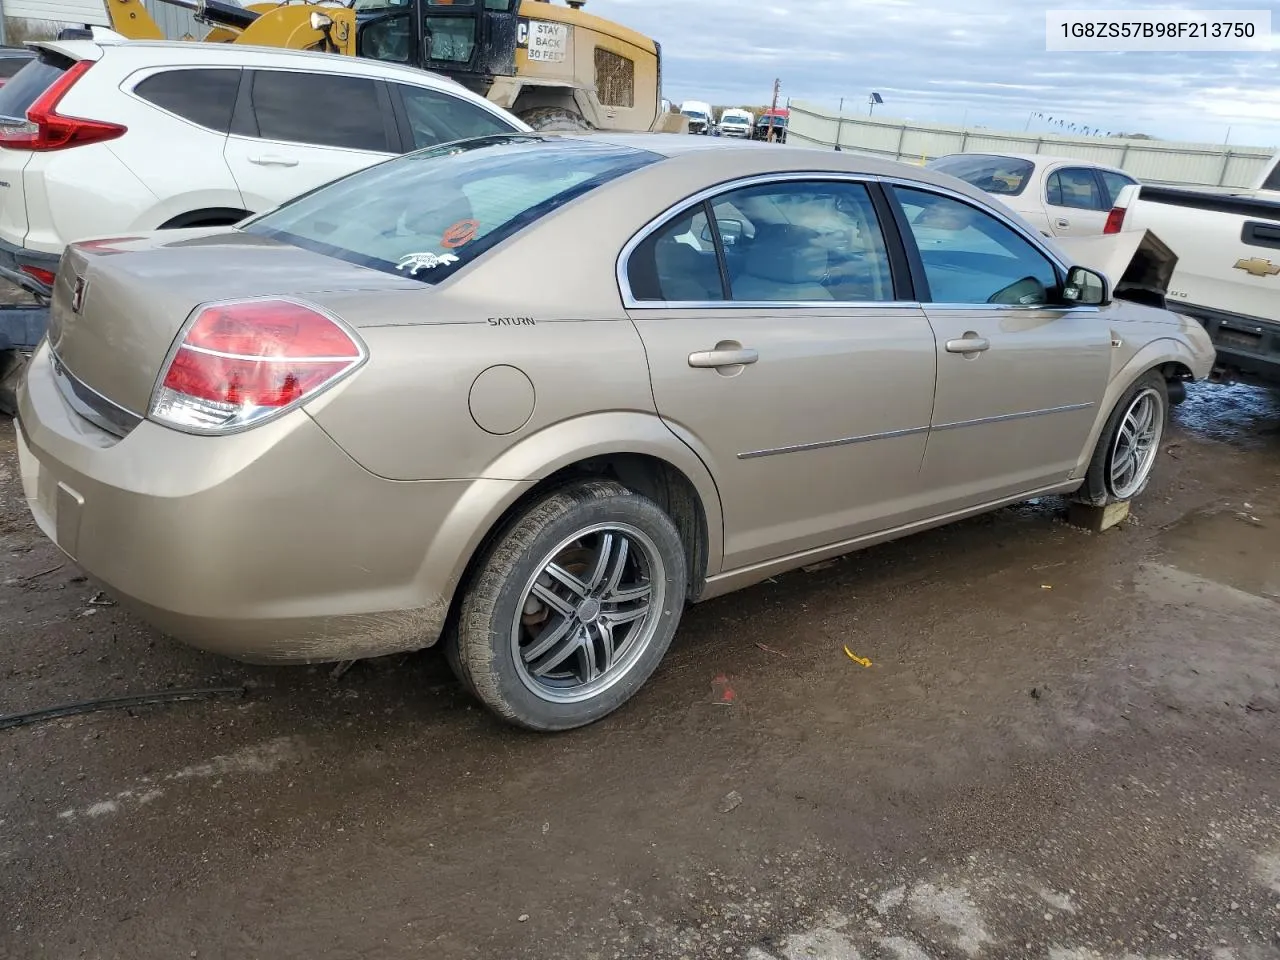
<point x="271" y="160"/>
<point x="723" y="358"/>
<point x="1063" y="222"/>
<point x="968" y="345"/>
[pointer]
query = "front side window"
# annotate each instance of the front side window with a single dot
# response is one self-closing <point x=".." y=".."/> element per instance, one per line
<point x="205" y="97"/>
<point x="319" y="108"/>
<point x="1114" y="183"/>
<point x="449" y="39"/>
<point x="427" y="214"/>
<point x="389" y="38"/>
<point x="969" y="256"/>
<point x="1005" y="176"/>
<point x="787" y="242"/>
<point x="436" y="117"/>
<point x="1074" y="187"/>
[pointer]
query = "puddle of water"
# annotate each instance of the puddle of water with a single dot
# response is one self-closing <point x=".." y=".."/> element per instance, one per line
<point x="1235" y="413"/>
<point x="1239" y="551"/>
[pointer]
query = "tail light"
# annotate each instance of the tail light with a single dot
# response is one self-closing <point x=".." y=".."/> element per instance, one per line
<point x="1115" y="220"/>
<point x="38" y="273"/>
<point x="46" y="129"/>
<point x="242" y="362"/>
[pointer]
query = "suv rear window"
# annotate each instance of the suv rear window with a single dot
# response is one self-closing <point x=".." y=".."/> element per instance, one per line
<point x="1006" y="176"/>
<point x="19" y="93"/>
<point x="11" y="64"/>
<point x="205" y="97"/>
<point x="428" y="214"/>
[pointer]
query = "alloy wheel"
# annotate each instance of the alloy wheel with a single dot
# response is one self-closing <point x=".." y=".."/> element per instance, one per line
<point x="589" y="612"/>
<point x="1133" y="451"/>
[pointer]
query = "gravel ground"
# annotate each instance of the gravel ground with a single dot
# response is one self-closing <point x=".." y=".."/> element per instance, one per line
<point x="1065" y="748"/>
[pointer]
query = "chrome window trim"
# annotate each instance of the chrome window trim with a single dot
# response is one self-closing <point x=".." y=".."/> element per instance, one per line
<point x="630" y="302"/>
<point x="833" y="306"/>
<point x="89" y="403"/>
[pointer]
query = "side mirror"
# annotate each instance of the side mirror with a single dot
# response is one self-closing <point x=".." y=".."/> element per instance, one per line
<point x="731" y="231"/>
<point x="1085" y="287"/>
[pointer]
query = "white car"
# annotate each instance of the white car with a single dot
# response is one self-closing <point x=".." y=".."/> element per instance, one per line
<point x="736" y="123"/>
<point x="1060" y="196"/>
<point x="101" y="137"/>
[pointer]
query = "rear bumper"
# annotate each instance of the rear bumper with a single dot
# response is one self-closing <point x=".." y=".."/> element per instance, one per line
<point x="1248" y="347"/>
<point x="268" y="546"/>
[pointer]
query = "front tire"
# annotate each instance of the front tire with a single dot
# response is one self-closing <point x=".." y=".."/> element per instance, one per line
<point x="1128" y="445"/>
<point x="555" y="120"/>
<point x="572" y="608"/>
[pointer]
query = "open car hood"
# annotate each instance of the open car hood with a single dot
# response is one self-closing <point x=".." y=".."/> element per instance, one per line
<point x="1137" y="263"/>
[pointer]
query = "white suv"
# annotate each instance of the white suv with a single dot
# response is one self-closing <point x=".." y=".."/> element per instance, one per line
<point x="99" y="137"/>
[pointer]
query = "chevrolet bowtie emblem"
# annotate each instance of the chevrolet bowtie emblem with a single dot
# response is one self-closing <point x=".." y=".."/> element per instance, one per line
<point x="1257" y="267"/>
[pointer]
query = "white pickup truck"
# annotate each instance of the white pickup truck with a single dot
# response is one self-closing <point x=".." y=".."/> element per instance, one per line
<point x="1227" y="274"/>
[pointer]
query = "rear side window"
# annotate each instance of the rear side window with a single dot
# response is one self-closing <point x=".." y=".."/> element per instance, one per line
<point x="1005" y="176"/>
<point x="1114" y="183"/>
<point x="205" y="97"/>
<point x="1074" y="187"/>
<point x="427" y="214"/>
<point x="319" y="108"/>
<point x="17" y="95"/>
<point x="436" y="117"/>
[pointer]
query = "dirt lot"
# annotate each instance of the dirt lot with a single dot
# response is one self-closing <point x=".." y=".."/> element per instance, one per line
<point x="1065" y="748"/>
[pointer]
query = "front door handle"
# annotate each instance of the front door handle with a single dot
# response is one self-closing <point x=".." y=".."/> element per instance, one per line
<point x="1063" y="222"/>
<point x="271" y="160"/>
<point x="968" y="345"/>
<point x="722" y="357"/>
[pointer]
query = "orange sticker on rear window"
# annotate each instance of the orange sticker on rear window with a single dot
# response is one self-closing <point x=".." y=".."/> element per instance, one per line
<point x="461" y="233"/>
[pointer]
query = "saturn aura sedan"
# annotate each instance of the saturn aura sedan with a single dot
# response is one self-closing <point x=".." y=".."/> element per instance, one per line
<point x="529" y="396"/>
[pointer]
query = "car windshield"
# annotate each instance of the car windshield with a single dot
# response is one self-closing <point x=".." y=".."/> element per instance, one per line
<point x="696" y="114"/>
<point x="1007" y="176"/>
<point x="427" y="214"/>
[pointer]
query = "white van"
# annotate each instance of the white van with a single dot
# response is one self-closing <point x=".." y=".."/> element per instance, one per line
<point x="700" y="116"/>
<point x="736" y="123"/>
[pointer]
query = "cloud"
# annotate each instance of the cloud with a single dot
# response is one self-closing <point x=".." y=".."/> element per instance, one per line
<point x="944" y="60"/>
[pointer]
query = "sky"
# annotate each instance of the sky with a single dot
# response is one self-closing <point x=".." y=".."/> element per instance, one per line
<point x="976" y="62"/>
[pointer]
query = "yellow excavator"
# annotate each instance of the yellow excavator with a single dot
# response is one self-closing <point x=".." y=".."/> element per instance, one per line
<point x="556" y="67"/>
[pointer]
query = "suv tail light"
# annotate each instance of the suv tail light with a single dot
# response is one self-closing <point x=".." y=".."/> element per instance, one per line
<point x="46" y="129"/>
<point x="1115" y="220"/>
<point x="239" y="363"/>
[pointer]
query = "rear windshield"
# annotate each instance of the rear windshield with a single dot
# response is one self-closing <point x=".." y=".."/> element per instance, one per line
<point x="11" y="64"/>
<point x="17" y="95"/>
<point x="427" y="214"/>
<point x="1006" y="176"/>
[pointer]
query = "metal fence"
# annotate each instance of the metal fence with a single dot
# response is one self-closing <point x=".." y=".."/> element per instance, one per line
<point x="1152" y="161"/>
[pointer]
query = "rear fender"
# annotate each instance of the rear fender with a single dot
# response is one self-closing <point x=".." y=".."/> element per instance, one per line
<point x="1152" y="356"/>
<point x="548" y="451"/>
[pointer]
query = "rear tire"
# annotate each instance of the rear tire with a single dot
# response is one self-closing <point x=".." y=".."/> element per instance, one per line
<point x="555" y="120"/>
<point x="572" y="608"/>
<point x="1128" y="445"/>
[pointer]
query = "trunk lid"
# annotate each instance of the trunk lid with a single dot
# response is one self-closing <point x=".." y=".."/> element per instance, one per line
<point x="136" y="294"/>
